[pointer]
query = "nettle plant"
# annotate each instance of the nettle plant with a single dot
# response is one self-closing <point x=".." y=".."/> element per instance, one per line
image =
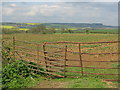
<point x="15" y="73"/>
<point x="6" y="56"/>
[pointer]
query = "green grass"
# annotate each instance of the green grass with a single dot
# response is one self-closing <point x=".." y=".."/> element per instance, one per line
<point x="101" y="30"/>
<point x="86" y="82"/>
<point x="28" y="82"/>
<point x="104" y="30"/>
<point x="33" y="81"/>
<point x="83" y="82"/>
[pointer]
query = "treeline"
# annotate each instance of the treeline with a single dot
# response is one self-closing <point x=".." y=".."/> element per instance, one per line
<point x="41" y="29"/>
<point x="11" y="31"/>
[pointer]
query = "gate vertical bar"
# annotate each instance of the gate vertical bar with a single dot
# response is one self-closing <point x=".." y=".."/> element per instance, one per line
<point x="65" y="61"/>
<point x="14" y="48"/>
<point x="38" y="54"/>
<point x="80" y="56"/>
<point x="44" y="49"/>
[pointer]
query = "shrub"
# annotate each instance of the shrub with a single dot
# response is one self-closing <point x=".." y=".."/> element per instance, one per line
<point x="16" y="73"/>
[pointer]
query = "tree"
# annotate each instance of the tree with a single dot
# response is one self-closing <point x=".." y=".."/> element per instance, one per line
<point x="87" y="31"/>
<point x="62" y="30"/>
<point x="51" y="30"/>
<point x="70" y="31"/>
<point x="39" y="29"/>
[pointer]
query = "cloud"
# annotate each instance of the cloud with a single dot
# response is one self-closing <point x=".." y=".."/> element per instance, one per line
<point x="44" y="10"/>
<point x="61" y="12"/>
<point x="7" y="11"/>
<point x="53" y="10"/>
<point x="13" y="5"/>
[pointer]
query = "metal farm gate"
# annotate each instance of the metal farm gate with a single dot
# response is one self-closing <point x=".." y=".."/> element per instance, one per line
<point x="71" y="59"/>
<point x="76" y="59"/>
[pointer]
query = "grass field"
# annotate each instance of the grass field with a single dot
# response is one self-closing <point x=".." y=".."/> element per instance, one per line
<point x="105" y="30"/>
<point x="40" y="38"/>
<point x="89" y="81"/>
<point x="101" y="31"/>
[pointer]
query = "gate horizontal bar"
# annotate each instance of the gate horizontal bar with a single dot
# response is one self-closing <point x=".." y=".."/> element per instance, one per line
<point x="94" y="67"/>
<point x="90" y="61"/>
<point x="81" y="42"/>
<point x="53" y="66"/>
<point x="55" y="63"/>
<point x="26" y="52"/>
<point x="55" y="47"/>
<point x="55" y="53"/>
<point x="112" y="79"/>
<point x="29" y="42"/>
<point x="48" y="73"/>
<point x="50" y="59"/>
<point x="96" y="53"/>
<point x="28" y="48"/>
<point x="50" y="70"/>
<point x="36" y="66"/>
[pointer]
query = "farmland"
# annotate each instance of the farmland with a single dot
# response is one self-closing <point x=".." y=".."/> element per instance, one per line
<point x="65" y="33"/>
<point x="58" y="28"/>
<point x="41" y="38"/>
<point x="60" y="45"/>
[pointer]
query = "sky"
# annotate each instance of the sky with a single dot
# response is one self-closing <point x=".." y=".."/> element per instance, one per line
<point x="61" y="12"/>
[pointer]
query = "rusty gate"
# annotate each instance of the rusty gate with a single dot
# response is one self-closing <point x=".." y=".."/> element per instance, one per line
<point x="76" y="59"/>
<point x="72" y="59"/>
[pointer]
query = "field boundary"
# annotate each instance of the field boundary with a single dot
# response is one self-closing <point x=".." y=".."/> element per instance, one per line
<point x="51" y="65"/>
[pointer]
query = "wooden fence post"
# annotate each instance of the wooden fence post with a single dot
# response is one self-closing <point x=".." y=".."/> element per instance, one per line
<point x="38" y="54"/>
<point x="44" y="49"/>
<point x="80" y="56"/>
<point x="65" y="60"/>
<point x="14" y="48"/>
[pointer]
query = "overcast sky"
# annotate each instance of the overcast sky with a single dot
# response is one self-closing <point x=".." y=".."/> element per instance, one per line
<point x="61" y="12"/>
